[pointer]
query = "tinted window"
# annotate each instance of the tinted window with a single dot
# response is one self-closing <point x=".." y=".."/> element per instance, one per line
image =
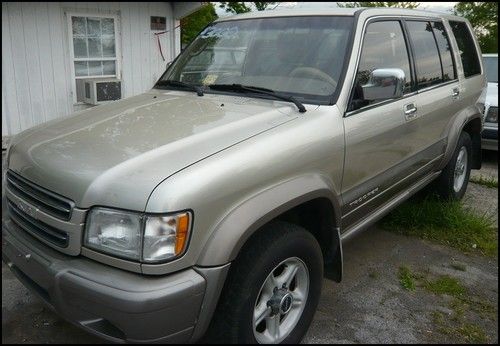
<point x="383" y="47"/>
<point x="444" y="50"/>
<point x="426" y="54"/>
<point x="468" y="53"/>
<point x="491" y="68"/>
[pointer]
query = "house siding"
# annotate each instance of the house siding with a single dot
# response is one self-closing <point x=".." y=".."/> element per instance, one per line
<point x="36" y="65"/>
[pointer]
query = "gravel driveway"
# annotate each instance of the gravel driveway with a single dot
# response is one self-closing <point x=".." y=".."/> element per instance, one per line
<point x="369" y="306"/>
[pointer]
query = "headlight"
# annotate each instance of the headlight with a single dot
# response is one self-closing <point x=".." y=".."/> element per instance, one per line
<point x="492" y="116"/>
<point x="114" y="232"/>
<point x="136" y="236"/>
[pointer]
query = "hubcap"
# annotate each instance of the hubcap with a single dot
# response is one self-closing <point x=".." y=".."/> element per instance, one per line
<point x="460" y="170"/>
<point x="281" y="301"/>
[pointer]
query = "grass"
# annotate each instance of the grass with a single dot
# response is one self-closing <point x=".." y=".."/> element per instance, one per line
<point x="470" y="333"/>
<point x="448" y="223"/>
<point x="485" y="181"/>
<point x="406" y="278"/>
<point x="446" y="285"/>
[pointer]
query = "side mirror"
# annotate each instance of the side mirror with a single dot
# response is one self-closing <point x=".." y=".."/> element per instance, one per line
<point x="384" y="83"/>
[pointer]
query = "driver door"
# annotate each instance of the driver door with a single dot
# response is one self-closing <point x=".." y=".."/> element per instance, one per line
<point x="378" y="154"/>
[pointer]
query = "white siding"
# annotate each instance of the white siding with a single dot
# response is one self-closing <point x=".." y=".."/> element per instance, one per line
<point x="36" y="67"/>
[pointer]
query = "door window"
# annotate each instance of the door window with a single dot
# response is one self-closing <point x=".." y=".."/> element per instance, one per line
<point x="427" y="62"/>
<point x="443" y="42"/>
<point x="384" y="46"/>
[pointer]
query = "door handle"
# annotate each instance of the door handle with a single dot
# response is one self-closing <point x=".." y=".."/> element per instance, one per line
<point x="410" y="111"/>
<point x="455" y="92"/>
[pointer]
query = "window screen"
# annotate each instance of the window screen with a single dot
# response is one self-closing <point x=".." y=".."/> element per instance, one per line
<point x="445" y="51"/>
<point x="468" y="52"/>
<point x="426" y="54"/>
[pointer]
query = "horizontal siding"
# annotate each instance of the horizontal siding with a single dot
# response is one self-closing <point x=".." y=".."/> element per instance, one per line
<point x="36" y="66"/>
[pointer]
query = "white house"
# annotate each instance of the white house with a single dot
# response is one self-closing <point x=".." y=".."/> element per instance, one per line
<point x="49" y="50"/>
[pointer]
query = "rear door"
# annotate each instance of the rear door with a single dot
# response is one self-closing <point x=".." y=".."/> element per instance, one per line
<point x="438" y="98"/>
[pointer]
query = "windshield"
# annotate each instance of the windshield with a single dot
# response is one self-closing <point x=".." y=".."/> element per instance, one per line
<point x="491" y="67"/>
<point x="297" y="56"/>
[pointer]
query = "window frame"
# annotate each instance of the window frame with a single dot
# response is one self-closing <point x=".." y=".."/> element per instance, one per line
<point x="117" y="58"/>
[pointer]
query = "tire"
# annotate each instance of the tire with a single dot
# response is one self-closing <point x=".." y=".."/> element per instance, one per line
<point x="281" y="245"/>
<point x="446" y="186"/>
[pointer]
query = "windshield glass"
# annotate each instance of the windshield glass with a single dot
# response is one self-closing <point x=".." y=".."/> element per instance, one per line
<point x="298" y="56"/>
<point x="491" y="68"/>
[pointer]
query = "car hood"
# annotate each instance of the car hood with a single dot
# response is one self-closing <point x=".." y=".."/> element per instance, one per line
<point x="115" y="154"/>
<point x="492" y="94"/>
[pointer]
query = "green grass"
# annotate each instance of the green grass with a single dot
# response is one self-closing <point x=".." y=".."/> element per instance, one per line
<point x="406" y="278"/>
<point x="448" y="223"/>
<point x="485" y="181"/>
<point x="446" y="285"/>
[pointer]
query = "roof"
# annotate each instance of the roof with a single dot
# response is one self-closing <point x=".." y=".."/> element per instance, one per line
<point x="337" y="11"/>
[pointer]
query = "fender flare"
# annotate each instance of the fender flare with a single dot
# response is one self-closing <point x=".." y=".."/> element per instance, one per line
<point x="231" y="233"/>
<point x="456" y="127"/>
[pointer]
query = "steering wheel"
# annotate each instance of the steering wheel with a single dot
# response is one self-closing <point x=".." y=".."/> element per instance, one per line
<point x="314" y="73"/>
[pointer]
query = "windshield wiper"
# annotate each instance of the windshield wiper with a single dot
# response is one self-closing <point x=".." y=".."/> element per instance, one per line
<point x="259" y="90"/>
<point x="175" y="83"/>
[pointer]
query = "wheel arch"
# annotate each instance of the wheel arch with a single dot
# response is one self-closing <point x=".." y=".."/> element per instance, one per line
<point x="308" y="201"/>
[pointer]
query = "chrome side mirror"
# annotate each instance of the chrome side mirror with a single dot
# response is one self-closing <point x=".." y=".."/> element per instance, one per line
<point x="384" y="83"/>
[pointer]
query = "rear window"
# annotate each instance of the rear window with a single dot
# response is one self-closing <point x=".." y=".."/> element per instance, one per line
<point x="468" y="52"/>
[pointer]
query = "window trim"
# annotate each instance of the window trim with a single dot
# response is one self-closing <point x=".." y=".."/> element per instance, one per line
<point x="368" y="21"/>
<point x="117" y="58"/>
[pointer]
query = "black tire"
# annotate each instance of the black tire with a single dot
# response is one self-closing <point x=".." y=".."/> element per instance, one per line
<point x="276" y="242"/>
<point x="443" y="185"/>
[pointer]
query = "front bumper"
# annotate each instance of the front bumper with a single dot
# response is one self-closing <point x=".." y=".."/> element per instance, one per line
<point x="117" y="305"/>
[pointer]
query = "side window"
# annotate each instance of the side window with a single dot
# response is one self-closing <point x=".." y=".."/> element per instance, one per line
<point x="426" y="53"/>
<point x="468" y="52"/>
<point x="384" y="46"/>
<point x="449" y="71"/>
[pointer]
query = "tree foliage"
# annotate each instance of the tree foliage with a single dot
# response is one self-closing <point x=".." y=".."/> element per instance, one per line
<point x="191" y="25"/>
<point x="242" y="7"/>
<point x="403" y="4"/>
<point x="484" y="19"/>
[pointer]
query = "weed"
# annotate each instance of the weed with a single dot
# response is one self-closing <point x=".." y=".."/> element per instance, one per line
<point x="485" y="181"/>
<point x="446" y="285"/>
<point x="406" y="278"/>
<point x="448" y="223"/>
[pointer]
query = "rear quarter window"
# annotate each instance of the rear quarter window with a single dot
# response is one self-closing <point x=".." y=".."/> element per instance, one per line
<point x="467" y="48"/>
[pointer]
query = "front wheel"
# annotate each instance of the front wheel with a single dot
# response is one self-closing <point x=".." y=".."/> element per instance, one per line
<point x="272" y="290"/>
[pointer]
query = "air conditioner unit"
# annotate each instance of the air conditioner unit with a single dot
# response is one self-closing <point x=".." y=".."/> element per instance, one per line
<point x="99" y="91"/>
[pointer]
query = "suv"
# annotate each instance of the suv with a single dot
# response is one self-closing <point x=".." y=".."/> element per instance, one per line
<point x="490" y="131"/>
<point x="215" y="203"/>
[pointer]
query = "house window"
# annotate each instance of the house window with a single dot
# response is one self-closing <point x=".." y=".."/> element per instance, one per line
<point x="94" y="50"/>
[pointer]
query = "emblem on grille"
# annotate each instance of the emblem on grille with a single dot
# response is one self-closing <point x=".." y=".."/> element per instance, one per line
<point x="31" y="211"/>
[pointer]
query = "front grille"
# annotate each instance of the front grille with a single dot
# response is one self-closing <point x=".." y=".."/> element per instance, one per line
<point x="46" y="201"/>
<point x="36" y="227"/>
